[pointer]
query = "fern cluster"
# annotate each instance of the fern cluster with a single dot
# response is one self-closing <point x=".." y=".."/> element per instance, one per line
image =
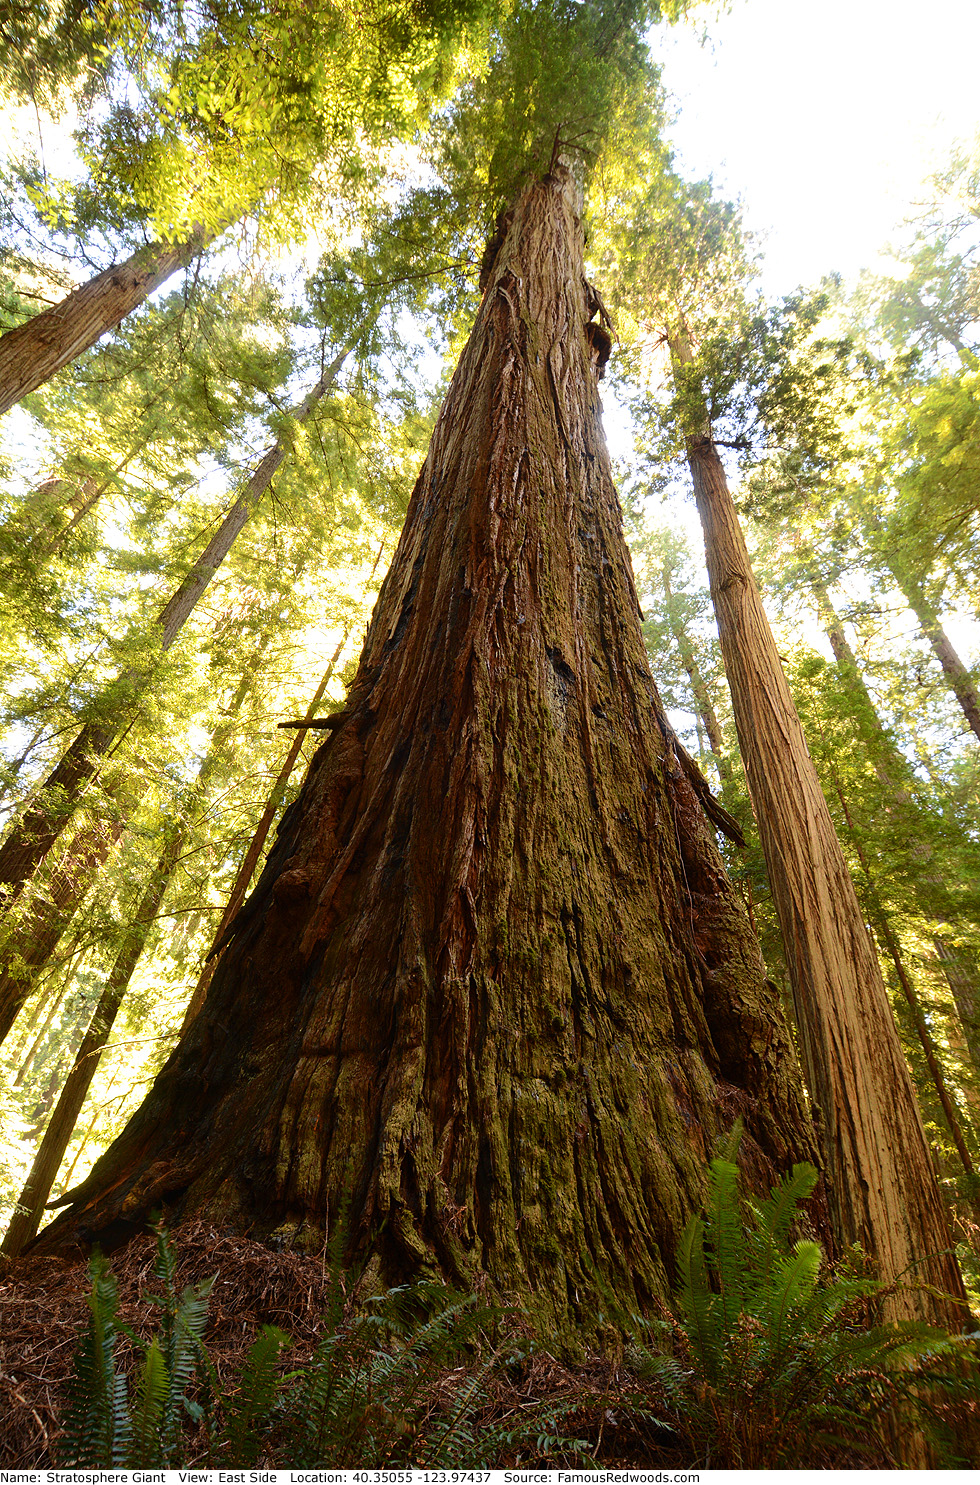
<point x="103" y="1427"/>
<point x="368" y="1398"/>
<point x="767" y="1359"/>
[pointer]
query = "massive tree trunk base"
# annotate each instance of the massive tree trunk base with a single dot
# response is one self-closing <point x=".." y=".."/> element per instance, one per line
<point x="493" y="998"/>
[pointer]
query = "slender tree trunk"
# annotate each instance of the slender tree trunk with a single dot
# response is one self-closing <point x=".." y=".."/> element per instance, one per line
<point x="883" y="1190"/>
<point x="926" y="1042"/>
<point x="34" y="351"/>
<point x="493" y="992"/>
<point x="886" y="934"/>
<point x="84" y="500"/>
<point x="250" y="860"/>
<point x="29" y="842"/>
<point x="51" y="1151"/>
<point x="958" y="676"/>
<point x="24" y="954"/>
<point x="699" y="689"/>
<point x="61" y="1125"/>
<point x="959" y="971"/>
<point x="57" y="1000"/>
<point x="960" y="974"/>
<point x="89" y="1131"/>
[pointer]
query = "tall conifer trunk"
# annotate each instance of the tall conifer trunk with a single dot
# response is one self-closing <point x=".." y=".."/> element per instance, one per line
<point x="34" y="351"/>
<point x="958" y="676"/>
<point x="882" y="1187"/>
<point x="493" y="990"/>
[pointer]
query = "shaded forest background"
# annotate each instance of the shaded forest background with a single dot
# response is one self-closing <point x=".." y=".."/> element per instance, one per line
<point x="325" y="184"/>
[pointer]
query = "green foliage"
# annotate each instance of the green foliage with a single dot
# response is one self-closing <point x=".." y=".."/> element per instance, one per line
<point x="102" y="1428"/>
<point x="398" y="1383"/>
<point x="768" y="1358"/>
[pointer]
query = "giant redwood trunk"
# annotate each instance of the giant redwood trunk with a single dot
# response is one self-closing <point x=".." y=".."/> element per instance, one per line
<point x="882" y="1187"/>
<point x="493" y="993"/>
<point x="34" y="351"/>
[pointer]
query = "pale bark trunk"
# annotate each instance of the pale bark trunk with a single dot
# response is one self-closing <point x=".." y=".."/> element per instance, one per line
<point x="34" y="351"/>
<point x="29" y="842"/>
<point x="882" y="1187"/>
<point x="493" y="993"/>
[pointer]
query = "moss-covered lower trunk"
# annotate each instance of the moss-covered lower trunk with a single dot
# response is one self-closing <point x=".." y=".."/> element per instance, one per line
<point x="493" y="990"/>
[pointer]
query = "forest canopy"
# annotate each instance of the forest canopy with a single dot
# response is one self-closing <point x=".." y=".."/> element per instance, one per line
<point x="242" y="250"/>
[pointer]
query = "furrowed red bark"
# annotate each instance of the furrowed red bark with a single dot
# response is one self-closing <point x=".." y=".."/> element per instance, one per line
<point x="29" y="841"/>
<point x="493" y="995"/>
<point x="882" y="1188"/>
<point x="34" y="351"/>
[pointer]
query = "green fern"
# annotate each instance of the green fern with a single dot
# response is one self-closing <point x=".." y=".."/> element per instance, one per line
<point x="97" y="1425"/>
<point x="765" y="1358"/>
<point x="102" y="1429"/>
<point x="250" y="1412"/>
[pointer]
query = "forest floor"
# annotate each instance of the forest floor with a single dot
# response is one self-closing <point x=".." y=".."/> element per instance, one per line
<point x="44" y="1312"/>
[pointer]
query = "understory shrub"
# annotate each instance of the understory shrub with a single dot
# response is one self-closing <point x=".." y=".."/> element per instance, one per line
<point x="767" y="1358"/>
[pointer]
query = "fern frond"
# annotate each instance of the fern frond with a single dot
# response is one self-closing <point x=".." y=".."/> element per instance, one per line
<point x="699" y="1307"/>
<point x="146" y="1417"/>
<point x="793" y="1281"/>
<point x="250" y="1411"/>
<point x="97" y="1417"/>
<point x="726" y="1233"/>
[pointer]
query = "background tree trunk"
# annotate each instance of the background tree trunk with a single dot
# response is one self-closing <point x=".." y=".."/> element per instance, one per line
<point x="493" y="990"/>
<point x="958" y="676"/>
<point x="26" y="952"/>
<point x="246" y="871"/>
<point x="51" y="1150"/>
<point x="34" y="351"/>
<point x="882" y="1187"/>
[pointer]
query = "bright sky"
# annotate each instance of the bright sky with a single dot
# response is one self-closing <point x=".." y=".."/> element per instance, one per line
<point x="823" y="117"/>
